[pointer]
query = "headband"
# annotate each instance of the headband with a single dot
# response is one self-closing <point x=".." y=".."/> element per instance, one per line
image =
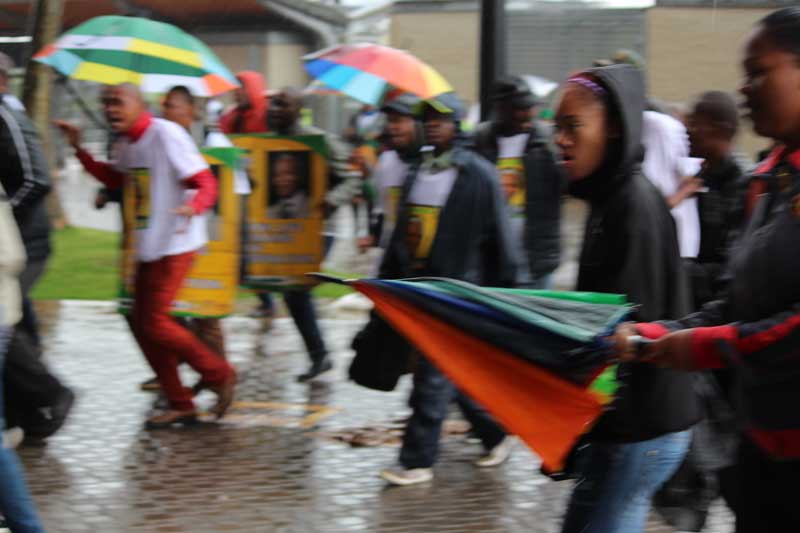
<point x="597" y="89"/>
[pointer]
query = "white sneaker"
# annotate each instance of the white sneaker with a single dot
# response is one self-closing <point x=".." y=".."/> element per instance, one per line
<point x="12" y="438"/>
<point x="497" y="455"/>
<point x="411" y="476"/>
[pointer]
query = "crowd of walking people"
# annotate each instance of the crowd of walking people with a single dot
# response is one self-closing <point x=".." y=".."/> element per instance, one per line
<point x="679" y="221"/>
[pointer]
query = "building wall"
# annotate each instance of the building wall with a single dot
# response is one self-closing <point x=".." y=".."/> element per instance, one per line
<point x="448" y="41"/>
<point x="691" y="50"/>
<point x="238" y="57"/>
<point x="554" y="41"/>
<point x="283" y="65"/>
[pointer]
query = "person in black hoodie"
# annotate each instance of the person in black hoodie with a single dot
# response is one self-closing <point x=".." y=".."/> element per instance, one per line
<point x="630" y="247"/>
<point x="451" y="223"/>
<point x="531" y="182"/>
<point x="754" y="326"/>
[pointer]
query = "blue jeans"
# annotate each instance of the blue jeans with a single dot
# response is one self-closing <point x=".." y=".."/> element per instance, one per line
<point x="617" y="482"/>
<point x="15" y="501"/>
<point x="430" y="402"/>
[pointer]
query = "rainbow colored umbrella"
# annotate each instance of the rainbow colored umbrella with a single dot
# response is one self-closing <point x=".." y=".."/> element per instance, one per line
<point x="367" y="72"/>
<point x="539" y="361"/>
<point x="152" y="55"/>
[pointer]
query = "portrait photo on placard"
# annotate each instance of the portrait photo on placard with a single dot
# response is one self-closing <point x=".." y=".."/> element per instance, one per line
<point x="289" y="191"/>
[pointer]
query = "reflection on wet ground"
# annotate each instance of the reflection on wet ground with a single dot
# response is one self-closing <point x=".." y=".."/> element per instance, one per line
<point x="274" y="466"/>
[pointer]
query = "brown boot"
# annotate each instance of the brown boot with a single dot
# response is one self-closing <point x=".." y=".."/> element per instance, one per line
<point x="171" y="418"/>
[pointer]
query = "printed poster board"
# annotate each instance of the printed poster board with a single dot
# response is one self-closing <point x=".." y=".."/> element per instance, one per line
<point x="209" y="289"/>
<point x="284" y="217"/>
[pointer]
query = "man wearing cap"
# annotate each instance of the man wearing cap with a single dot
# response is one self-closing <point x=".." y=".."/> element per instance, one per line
<point x="529" y="177"/>
<point x="403" y="136"/>
<point x="450" y="223"/>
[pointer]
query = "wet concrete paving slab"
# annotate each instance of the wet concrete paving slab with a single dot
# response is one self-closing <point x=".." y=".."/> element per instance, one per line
<point x="276" y="464"/>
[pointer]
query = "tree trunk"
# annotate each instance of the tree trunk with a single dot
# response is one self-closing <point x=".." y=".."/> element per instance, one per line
<point x="37" y="93"/>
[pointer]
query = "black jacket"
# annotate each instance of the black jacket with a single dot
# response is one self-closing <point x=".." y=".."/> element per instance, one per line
<point x="472" y="237"/>
<point x="631" y="247"/>
<point x="544" y="187"/>
<point x="721" y="211"/>
<point x="25" y="177"/>
<point x="758" y="317"/>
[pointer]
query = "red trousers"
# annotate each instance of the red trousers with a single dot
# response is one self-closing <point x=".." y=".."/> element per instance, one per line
<point x="166" y="343"/>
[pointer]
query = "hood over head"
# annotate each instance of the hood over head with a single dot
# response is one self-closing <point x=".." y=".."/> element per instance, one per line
<point x="626" y="101"/>
<point x="252" y="119"/>
<point x="254" y="86"/>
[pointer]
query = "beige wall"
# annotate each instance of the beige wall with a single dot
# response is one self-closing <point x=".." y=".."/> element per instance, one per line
<point x="237" y="57"/>
<point x="691" y="50"/>
<point x="283" y="65"/>
<point x="280" y="64"/>
<point x="447" y="41"/>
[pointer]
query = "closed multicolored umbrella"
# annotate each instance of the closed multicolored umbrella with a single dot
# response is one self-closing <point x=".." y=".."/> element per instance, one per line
<point x="367" y="72"/>
<point x="537" y="360"/>
<point x="152" y="55"/>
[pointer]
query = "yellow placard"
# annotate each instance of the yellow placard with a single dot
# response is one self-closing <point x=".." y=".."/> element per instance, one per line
<point x="209" y="289"/>
<point x="284" y="216"/>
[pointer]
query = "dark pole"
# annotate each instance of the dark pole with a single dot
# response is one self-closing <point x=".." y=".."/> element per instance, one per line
<point x="493" y="49"/>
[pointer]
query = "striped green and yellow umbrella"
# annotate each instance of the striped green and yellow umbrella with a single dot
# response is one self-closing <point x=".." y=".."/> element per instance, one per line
<point x="153" y="55"/>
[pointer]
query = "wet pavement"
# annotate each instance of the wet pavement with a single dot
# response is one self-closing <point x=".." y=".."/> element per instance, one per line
<point x="277" y="463"/>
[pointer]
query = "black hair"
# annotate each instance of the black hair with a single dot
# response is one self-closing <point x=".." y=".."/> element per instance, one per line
<point x="719" y="107"/>
<point x="183" y="91"/>
<point x="782" y="28"/>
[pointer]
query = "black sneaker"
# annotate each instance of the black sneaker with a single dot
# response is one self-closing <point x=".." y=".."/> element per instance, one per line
<point x="317" y="369"/>
<point x="3" y="526"/>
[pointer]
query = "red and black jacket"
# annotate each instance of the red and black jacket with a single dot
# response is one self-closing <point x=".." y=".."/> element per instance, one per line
<point x="756" y="325"/>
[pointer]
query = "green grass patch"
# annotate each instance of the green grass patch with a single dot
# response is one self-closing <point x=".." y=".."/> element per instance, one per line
<point x="85" y="266"/>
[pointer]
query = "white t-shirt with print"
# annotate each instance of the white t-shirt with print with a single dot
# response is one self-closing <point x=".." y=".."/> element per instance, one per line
<point x="158" y="162"/>
<point x="427" y="198"/>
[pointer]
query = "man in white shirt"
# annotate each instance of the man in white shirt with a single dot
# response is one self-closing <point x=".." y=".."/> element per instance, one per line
<point x="668" y="166"/>
<point x="164" y="162"/>
<point x="403" y="136"/>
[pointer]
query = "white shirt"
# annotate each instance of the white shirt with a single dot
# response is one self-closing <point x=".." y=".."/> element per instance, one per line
<point x="389" y="174"/>
<point x="512" y="146"/>
<point x="158" y="163"/>
<point x="666" y="163"/>
<point x="217" y="139"/>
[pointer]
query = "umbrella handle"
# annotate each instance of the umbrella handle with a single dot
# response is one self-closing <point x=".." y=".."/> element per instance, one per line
<point x="81" y="103"/>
